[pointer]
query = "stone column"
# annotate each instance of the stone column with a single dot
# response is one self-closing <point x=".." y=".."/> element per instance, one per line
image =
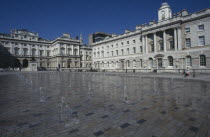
<point x="179" y="39"/>
<point x="29" y="53"/>
<point x="146" y="44"/>
<point x="21" y="49"/>
<point x="78" y="50"/>
<point x="59" y="49"/>
<point x="175" y="39"/>
<point x="45" y="50"/>
<point x="155" y="42"/>
<point x="164" y="40"/>
<point x="72" y="49"/>
<point x="66" y="50"/>
<point x="37" y="50"/>
<point x="143" y="45"/>
<point x="12" y="49"/>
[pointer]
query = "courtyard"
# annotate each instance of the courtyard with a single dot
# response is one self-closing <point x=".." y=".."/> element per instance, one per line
<point x="85" y="104"/>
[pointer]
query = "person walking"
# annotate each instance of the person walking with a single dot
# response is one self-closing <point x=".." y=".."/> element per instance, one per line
<point x="187" y="72"/>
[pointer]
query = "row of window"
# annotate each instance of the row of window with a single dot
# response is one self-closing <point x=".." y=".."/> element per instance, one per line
<point x="201" y="41"/>
<point x="116" y="45"/>
<point x="117" y="52"/>
<point x="25" y="52"/>
<point x="200" y="28"/>
<point x="170" y="62"/>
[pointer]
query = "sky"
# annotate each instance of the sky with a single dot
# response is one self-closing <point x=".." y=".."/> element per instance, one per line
<point x="52" y="18"/>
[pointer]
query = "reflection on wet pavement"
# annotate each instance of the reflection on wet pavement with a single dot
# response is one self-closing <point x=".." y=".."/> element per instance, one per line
<point x="72" y="104"/>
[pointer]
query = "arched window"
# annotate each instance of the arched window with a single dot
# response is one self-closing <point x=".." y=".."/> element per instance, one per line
<point x="128" y="63"/>
<point x="170" y="61"/>
<point x="189" y="61"/>
<point x="163" y="15"/>
<point x="150" y="62"/>
<point x="25" y="63"/>
<point x="134" y="63"/>
<point x="202" y="60"/>
<point x="141" y="63"/>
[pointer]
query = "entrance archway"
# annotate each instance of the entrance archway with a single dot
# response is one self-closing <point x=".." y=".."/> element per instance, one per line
<point x="25" y="63"/>
<point x="69" y="63"/>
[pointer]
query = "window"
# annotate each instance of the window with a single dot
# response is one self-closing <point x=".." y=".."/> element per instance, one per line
<point x="134" y="41"/>
<point x="117" y="52"/>
<point x="108" y="54"/>
<point x="121" y="43"/>
<point x="69" y="51"/>
<point x="170" y="61"/>
<point x="33" y="52"/>
<point x="202" y="60"/>
<point x="201" y="40"/>
<point x="41" y="52"/>
<point x="141" y="63"/>
<point x="62" y="51"/>
<point x="152" y="48"/>
<point x="25" y="52"/>
<point x="128" y="63"/>
<point x="122" y="51"/>
<point x="134" y="50"/>
<point x="112" y="46"/>
<point x="189" y="61"/>
<point x="163" y="15"/>
<point x="141" y="49"/>
<point x="187" y="30"/>
<point x="112" y="53"/>
<point x="200" y="27"/>
<point x="16" y="51"/>
<point x="48" y="53"/>
<point x="127" y="42"/>
<point x="161" y="46"/>
<point x="188" y="42"/>
<point x="150" y="62"/>
<point x="134" y="63"/>
<point x="127" y="50"/>
<point x="171" y="44"/>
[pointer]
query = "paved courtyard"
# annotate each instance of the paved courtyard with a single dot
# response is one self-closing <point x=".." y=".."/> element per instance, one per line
<point x="83" y="104"/>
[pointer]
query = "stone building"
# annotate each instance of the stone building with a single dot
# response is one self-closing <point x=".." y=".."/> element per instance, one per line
<point x="174" y="42"/>
<point x="98" y="36"/>
<point x="86" y="56"/>
<point x="63" y="52"/>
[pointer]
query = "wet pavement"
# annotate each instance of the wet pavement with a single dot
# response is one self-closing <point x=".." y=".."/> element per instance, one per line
<point x="83" y="104"/>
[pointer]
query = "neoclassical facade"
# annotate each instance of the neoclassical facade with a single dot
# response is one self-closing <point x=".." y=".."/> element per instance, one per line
<point x="63" y="52"/>
<point x="175" y="41"/>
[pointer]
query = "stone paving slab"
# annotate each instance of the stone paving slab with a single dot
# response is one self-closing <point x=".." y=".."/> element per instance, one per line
<point x="60" y="104"/>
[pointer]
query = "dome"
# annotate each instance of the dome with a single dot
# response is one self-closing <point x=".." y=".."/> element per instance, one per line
<point x="164" y="5"/>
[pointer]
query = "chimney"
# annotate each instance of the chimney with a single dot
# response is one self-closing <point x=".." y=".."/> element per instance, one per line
<point x="152" y="22"/>
<point x="66" y="35"/>
<point x="127" y="31"/>
<point x="184" y="12"/>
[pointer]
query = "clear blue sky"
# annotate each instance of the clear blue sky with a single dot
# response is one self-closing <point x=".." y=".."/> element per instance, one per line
<point x="51" y="18"/>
